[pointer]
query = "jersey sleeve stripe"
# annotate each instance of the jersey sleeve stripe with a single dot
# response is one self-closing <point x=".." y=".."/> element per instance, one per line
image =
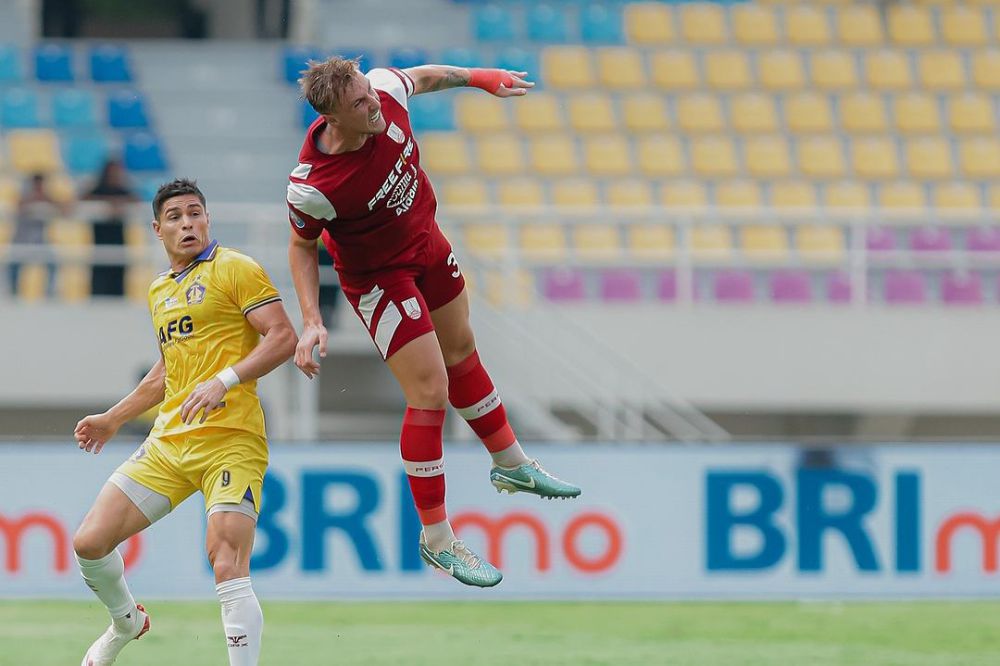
<point x="258" y="304"/>
<point x="405" y="78"/>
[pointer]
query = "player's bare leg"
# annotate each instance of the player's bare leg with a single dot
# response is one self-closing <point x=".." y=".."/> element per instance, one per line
<point x="229" y="541"/>
<point x="472" y="393"/>
<point x="113" y="519"/>
<point x="420" y="370"/>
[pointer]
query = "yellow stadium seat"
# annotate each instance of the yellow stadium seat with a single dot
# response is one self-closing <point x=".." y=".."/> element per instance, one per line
<point x="509" y="288"/>
<point x="32" y="283"/>
<point x="137" y="238"/>
<point x="929" y="158"/>
<point x="34" y="151"/>
<point x="874" y="158"/>
<point x="699" y="113"/>
<point x="847" y="194"/>
<point x="444" y="153"/>
<point x="568" y="68"/>
<point x="754" y="25"/>
<point x="648" y="23"/>
<point x="767" y="156"/>
<point x="986" y="69"/>
<point x="644" y="112"/>
<point x="70" y="234"/>
<point x="994" y="197"/>
<point x="703" y="23"/>
<point x="592" y="112"/>
<point x="137" y="281"/>
<point x="596" y="241"/>
<point x="683" y="193"/>
<point x="753" y="113"/>
<point x="661" y="155"/>
<point x="727" y="70"/>
<point x="554" y="155"/>
<point x="738" y="193"/>
<point x="542" y="240"/>
<point x="910" y="25"/>
<point x="957" y="196"/>
<point x="500" y="154"/>
<point x="793" y="194"/>
<point x="487" y="239"/>
<point x="888" y="70"/>
<point x="806" y="25"/>
<point x="963" y="26"/>
<point x="821" y="157"/>
<point x="538" y="112"/>
<point x="781" y="70"/>
<point x="916" y="113"/>
<point x="713" y="156"/>
<point x="818" y="243"/>
<point x="73" y="283"/>
<point x="466" y="191"/>
<point x="834" y="70"/>
<point x="481" y="113"/>
<point x="808" y="112"/>
<point x="9" y="193"/>
<point x="971" y="112"/>
<point x="575" y="192"/>
<point x="980" y="157"/>
<point x="608" y="155"/>
<point x="674" y="70"/>
<point x="520" y="192"/>
<point x="760" y="241"/>
<point x="902" y="194"/>
<point x="61" y="188"/>
<point x="629" y="192"/>
<point x="941" y="70"/>
<point x="711" y="242"/>
<point x="859" y="25"/>
<point x="621" y="68"/>
<point x="648" y="241"/>
<point x="863" y="113"/>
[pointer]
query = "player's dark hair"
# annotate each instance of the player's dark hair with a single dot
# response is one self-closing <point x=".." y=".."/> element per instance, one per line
<point x="175" y="188"/>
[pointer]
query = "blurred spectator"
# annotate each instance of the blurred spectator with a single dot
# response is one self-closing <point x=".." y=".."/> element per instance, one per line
<point x="109" y="229"/>
<point x="34" y="211"/>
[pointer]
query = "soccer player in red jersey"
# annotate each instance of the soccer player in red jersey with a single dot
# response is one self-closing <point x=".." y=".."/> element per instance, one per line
<point x="359" y="185"/>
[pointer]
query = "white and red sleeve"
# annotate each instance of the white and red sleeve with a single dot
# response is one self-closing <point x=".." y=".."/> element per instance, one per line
<point x="394" y="81"/>
<point x="308" y="209"/>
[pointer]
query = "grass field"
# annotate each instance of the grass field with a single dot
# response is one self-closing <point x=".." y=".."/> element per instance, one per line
<point x="474" y="634"/>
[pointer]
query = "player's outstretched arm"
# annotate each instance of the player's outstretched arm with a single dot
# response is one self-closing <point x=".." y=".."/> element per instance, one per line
<point x="303" y="261"/>
<point x="499" y="82"/>
<point x="275" y="347"/>
<point x="94" y="431"/>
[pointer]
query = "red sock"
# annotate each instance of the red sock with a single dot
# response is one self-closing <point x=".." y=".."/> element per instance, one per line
<point x="420" y="446"/>
<point x="472" y="394"/>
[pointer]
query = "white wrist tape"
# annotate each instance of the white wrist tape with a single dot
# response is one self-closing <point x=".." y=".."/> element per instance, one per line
<point x="228" y="377"/>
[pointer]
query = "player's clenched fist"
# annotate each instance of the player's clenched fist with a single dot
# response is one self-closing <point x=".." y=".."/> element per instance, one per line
<point x="205" y="397"/>
<point x="312" y="336"/>
<point x="94" y="431"/>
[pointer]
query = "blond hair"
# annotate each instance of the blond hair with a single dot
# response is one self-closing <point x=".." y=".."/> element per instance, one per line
<point x="323" y="84"/>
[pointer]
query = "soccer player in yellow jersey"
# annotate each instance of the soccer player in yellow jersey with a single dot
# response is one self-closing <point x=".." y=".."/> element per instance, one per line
<point x="220" y="325"/>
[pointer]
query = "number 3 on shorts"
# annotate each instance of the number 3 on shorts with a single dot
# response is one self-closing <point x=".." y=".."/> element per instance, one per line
<point x="452" y="261"/>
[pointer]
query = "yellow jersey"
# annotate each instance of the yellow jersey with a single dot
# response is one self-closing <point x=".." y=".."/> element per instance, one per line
<point x="199" y="316"/>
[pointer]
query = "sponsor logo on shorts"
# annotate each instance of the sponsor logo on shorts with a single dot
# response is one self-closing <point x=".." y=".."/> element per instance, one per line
<point x="139" y="452"/>
<point x="296" y="220"/>
<point x="396" y="134"/>
<point x="412" y="308"/>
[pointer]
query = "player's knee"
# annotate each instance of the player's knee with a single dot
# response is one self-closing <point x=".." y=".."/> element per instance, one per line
<point x="431" y="392"/>
<point x="89" y="545"/>
<point x="225" y="562"/>
<point x="459" y="351"/>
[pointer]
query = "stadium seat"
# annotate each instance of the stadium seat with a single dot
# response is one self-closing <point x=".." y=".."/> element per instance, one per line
<point x="733" y="286"/>
<point x="806" y="25"/>
<point x="651" y="241"/>
<point x="834" y="69"/>
<point x="874" y="158"/>
<point x="592" y="112"/>
<point x="980" y="157"/>
<point x="628" y="192"/>
<point x="539" y="112"/>
<point x="916" y="113"/>
<point x="32" y="283"/>
<point x="986" y="69"/>
<point x="465" y="191"/>
<point x="33" y="151"/>
<point x="714" y="157"/>
<point x="767" y="156"/>
<point x="406" y="57"/>
<point x="127" y="110"/>
<point x="699" y="113"/>
<point x="808" y="113"/>
<point x="608" y="155"/>
<point x="575" y="193"/>
<point x="847" y="194"/>
<point x="85" y="154"/>
<point x="703" y="23"/>
<point x="821" y="157"/>
<point x="665" y="284"/>
<point x="674" y="70"/>
<point x="432" y="113"/>
<point x="520" y="60"/>
<point x="109" y="64"/>
<point x="910" y="25"/>
<point x="620" y="285"/>
<point x="929" y="158"/>
<point x="596" y="241"/>
<point x="493" y="23"/>
<point x="295" y="59"/>
<point x="645" y="112"/>
<point x="971" y="113"/>
<point x="983" y="239"/>
<point x="941" y="70"/>
<point x="462" y="57"/>
<point x="904" y="287"/>
<point x="143" y="153"/>
<point x="10" y="64"/>
<point x="963" y="26"/>
<point x="754" y="24"/>
<point x="683" y="193"/>
<point x="790" y="286"/>
<point x="711" y="242"/>
<point x="820" y="243"/>
<point x="621" y="68"/>
<point x="738" y="194"/>
<point x="444" y="153"/>
<point x="759" y="241"/>
<point x="365" y="58"/>
<point x="307" y="114"/>
<point x="888" y="70"/>
<point x="930" y="239"/>
<point x="546" y="24"/>
<point x="19" y="108"/>
<point x="902" y="194"/>
<point x="54" y="63"/>
<point x="957" y="195"/>
<point x="554" y="155"/>
<point x="500" y="155"/>
<point x="10" y="192"/>
<point x="487" y="240"/>
<point x="648" y="23"/>
<point x="661" y="155"/>
<point x="510" y="288"/>
<point x="563" y="284"/>
<point x="476" y="112"/>
<point x="753" y="113"/>
<point x="880" y="239"/>
<point x="542" y="241"/>
<point x="863" y="113"/>
<point x="781" y="70"/>
<point x="993" y="197"/>
<point x="74" y="107"/>
<point x="600" y="24"/>
<point x="568" y="68"/>
<point x="961" y="288"/>
<point x="520" y="192"/>
<point x="859" y="25"/>
<point x="727" y="70"/>
<point x="793" y="194"/>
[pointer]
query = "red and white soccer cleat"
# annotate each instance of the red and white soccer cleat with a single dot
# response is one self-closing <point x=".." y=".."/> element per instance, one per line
<point x="105" y="649"/>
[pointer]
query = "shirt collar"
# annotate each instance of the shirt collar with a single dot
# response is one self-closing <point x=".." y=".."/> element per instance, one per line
<point x="208" y="254"/>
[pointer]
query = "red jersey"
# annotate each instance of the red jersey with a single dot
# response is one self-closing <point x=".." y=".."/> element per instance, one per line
<point x="376" y="202"/>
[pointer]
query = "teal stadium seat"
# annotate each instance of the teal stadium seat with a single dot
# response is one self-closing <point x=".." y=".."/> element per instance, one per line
<point x="460" y="57"/>
<point x="85" y="154"/>
<point x="601" y="24"/>
<point x="295" y="59"/>
<point x="144" y="153"/>
<point x="74" y="107"/>
<point x="10" y="64"/>
<point x="547" y="25"/>
<point x="109" y="64"/>
<point x="307" y="114"/>
<point x="520" y="60"/>
<point x="493" y="23"/>
<point x="54" y="63"/>
<point x="432" y="112"/>
<point x="404" y="58"/>
<point x="127" y="110"/>
<point x="19" y="108"/>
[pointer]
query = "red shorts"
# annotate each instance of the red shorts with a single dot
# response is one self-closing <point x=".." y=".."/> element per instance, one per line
<point x="395" y="304"/>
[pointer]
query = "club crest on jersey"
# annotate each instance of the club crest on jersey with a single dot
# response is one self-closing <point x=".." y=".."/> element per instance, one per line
<point x="195" y="294"/>
<point x="412" y="308"/>
<point x="395" y="133"/>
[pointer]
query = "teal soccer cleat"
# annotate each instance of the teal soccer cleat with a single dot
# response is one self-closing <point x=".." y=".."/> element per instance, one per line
<point x="531" y="478"/>
<point x="461" y="563"/>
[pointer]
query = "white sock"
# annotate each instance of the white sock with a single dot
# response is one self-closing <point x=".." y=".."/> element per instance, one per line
<point x="106" y="577"/>
<point x="439" y="536"/>
<point x="510" y="457"/>
<point x="242" y="620"/>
